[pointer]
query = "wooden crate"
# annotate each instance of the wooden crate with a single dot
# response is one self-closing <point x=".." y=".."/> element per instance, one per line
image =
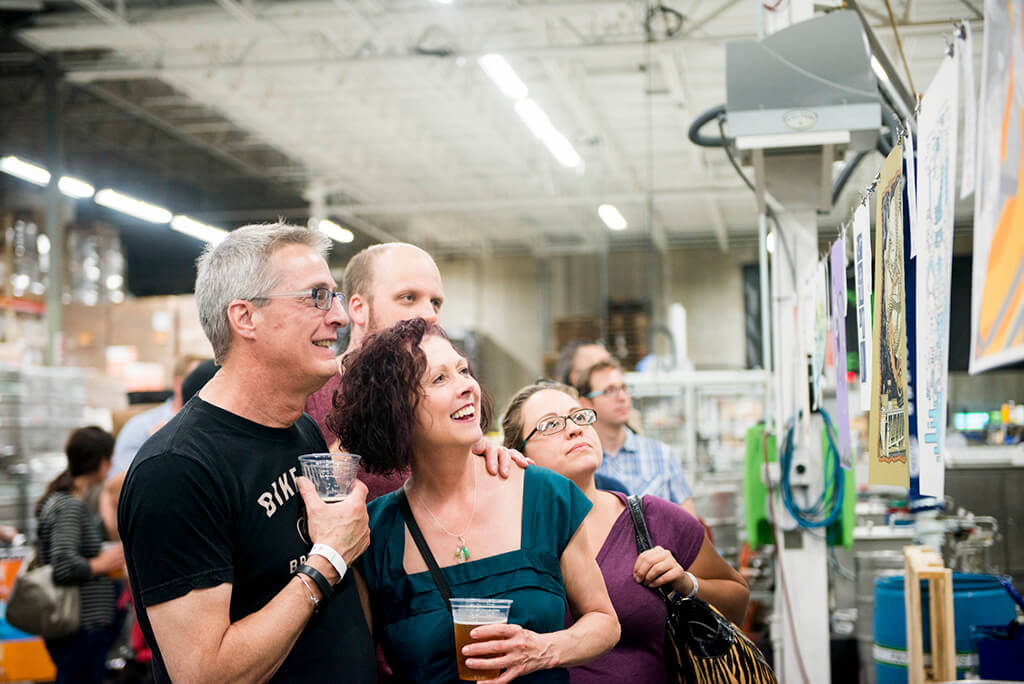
<point x="922" y="562"/>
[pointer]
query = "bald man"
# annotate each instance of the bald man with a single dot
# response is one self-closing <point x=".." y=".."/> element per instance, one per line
<point x="386" y="284"/>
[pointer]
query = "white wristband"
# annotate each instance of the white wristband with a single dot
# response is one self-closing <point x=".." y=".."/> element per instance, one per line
<point x="332" y="556"/>
<point x="693" y="592"/>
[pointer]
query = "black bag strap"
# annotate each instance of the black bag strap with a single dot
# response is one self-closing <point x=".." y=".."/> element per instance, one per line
<point x="643" y="542"/>
<point x="421" y="544"/>
<point x="636" y="510"/>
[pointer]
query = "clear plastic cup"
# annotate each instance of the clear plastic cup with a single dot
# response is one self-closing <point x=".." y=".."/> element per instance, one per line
<point x="332" y="474"/>
<point x="468" y="613"/>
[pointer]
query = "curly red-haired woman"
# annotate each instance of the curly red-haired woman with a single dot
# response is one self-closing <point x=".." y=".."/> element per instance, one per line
<point x="410" y="397"/>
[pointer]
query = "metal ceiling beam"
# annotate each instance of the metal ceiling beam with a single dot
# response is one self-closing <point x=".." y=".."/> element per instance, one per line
<point x="907" y="98"/>
<point x="578" y="101"/>
<point x="98" y="10"/>
<point x="718" y="223"/>
<point x="49" y="40"/>
<point x="170" y="129"/>
<point x="680" y="91"/>
<point x="559" y="202"/>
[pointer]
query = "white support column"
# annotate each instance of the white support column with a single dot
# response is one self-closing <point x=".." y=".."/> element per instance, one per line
<point x="802" y="556"/>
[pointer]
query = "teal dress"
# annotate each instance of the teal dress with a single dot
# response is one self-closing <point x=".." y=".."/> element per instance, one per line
<point x="412" y="621"/>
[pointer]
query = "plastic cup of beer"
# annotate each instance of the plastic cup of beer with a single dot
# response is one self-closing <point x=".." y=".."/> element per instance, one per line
<point x="469" y="613"/>
<point x="332" y="474"/>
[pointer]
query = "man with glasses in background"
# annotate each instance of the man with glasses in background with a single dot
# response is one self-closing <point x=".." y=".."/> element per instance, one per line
<point x="644" y="465"/>
<point x="228" y="567"/>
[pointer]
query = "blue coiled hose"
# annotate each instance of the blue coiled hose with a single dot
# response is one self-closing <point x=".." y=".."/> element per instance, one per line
<point x="829" y="504"/>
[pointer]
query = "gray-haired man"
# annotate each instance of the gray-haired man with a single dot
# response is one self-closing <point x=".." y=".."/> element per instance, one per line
<point x="217" y="543"/>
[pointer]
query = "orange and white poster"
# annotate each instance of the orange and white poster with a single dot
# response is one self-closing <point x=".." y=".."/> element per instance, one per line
<point x="889" y="455"/>
<point x="997" y="306"/>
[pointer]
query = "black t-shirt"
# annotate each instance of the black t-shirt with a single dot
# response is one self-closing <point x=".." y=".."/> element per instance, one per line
<point x="211" y="498"/>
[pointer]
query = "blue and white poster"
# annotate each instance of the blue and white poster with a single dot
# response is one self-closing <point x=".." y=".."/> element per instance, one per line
<point x="837" y="272"/>
<point x="937" y="148"/>
<point x="862" y="277"/>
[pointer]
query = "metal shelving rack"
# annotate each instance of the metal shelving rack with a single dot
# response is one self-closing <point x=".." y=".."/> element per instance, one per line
<point x="705" y="415"/>
<point x="39" y="407"/>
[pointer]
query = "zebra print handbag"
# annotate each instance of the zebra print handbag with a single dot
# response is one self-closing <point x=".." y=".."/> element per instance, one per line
<point x="701" y="645"/>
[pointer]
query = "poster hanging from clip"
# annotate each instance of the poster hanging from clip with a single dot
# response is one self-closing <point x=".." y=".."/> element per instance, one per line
<point x="937" y="139"/>
<point x="838" y="290"/>
<point x="862" y="278"/>
<point x="888" y="424"/>
<point x="997" y="288"/>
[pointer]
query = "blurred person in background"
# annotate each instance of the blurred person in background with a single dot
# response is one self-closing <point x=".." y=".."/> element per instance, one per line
<point x="548" y="424"/>
<point x="644" y="465"/>
<point x="200" y="371"/>
<point x="138" y="428"/>
<point x="578" y="356"/>
<point x="69" y="540"/>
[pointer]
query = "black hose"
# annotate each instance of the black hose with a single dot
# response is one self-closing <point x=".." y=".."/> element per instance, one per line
<point x="846" y="173"/>
<point x="890" y="120"/>
<point x="694" y="133"/>
<point x="884" y="145"/>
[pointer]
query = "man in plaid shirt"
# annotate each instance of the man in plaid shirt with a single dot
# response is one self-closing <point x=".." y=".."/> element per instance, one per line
<point x="644" y="465"/>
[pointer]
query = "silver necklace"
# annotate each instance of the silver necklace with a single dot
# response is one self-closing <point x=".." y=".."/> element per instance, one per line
<point x="461" y="551"/>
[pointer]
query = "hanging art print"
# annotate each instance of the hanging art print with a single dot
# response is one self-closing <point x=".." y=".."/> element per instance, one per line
<point x="997" y="293"/>
<point x="838" y="291"/>
<point x="889" y="452"/>
<point x="862" y="277"/>
<point x="937" y="130"/>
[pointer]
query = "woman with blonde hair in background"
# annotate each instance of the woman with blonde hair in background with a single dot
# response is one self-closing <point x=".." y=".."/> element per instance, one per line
<point x="547" y="423"/>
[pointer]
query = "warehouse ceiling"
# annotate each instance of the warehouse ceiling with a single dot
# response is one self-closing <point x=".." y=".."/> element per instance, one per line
<point x="377" y="111"/>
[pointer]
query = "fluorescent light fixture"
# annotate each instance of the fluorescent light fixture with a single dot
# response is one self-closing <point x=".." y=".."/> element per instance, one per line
<point x="876" y="66"/>
<point x="563" y="151"/>
<point x="133" y="207"/>
<point x="611" y="217"/>
<point x="24" y="170"/>
<point x="536" y="119"/>
<point x="503" y="75"/>
<point x="72" y="187"/>
<point x="200" y="231"/>
<point x="769" y="242"/>
<point x="334" y="231"/>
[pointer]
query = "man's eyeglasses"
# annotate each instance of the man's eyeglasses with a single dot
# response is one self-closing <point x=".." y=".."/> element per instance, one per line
<point x="322" y="297"/>
<point x="609" y="390"/>
<point x="552" y="425"/>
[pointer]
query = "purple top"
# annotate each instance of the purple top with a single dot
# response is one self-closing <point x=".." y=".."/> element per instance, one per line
<point x="319" y="406"/>
<point x="639" y="655"/>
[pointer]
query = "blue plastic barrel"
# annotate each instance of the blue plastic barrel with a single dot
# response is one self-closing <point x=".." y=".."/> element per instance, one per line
<point x="977" y="600"/>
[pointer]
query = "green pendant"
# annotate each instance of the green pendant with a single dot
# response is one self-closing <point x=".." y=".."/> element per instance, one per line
<point x="461" y="554"/>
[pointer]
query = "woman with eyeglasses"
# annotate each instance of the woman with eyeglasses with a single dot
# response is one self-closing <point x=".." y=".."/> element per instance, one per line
<point x="411" y="399"/>
<point x="547" y="423"/>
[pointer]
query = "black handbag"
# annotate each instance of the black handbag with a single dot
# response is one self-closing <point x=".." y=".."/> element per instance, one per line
<point x="701" y="645"/>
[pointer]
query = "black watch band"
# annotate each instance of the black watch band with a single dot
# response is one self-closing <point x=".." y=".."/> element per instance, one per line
<point x="326" y="590"/>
